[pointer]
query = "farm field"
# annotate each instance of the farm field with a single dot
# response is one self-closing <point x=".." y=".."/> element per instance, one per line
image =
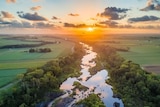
<point x="142" y="49"/>
<point x="8" y="75"/>
<point x="15" y="61"/>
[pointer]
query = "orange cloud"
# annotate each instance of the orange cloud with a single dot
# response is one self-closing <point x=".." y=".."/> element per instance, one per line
<point x="36" y="8"/>
<point x="35" y="0"/>
<point x="55" y="18"/>
<point x="71" y="14"/>
<point x="7" y="14"/>
<point x="13" y="1"/>
<point x="10" y="1"/>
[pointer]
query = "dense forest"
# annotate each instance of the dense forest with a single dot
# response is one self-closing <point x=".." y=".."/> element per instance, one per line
<point x="92" y="100"/>
<point x="136" y="87"/>
<point x="40" y="85"/>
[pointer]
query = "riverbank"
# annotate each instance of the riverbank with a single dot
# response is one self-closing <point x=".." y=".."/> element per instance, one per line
<point x="89" y="84"/>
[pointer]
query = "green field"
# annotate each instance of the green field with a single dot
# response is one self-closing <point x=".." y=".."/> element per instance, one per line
<point x="14" y="61"/>
<point x="143" y="49"/>
<point x="8" y="75"/>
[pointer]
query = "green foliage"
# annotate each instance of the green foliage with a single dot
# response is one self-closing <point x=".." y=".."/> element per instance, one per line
<point x="92" y="101"/>
<point x="40" y="50"/>
<point x="79" y="86"/>
<point x="108" y="57"/>
<point x="136" y="86"/>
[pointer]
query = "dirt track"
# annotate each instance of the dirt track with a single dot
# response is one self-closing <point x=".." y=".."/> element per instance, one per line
<point x="152" y="68"/>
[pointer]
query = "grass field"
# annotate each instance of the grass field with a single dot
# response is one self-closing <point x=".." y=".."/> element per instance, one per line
<point x="143" y="49"/>
<point x="8" y="75"/>
<point x="5" y="41"/>
<point x="16" y="60"/>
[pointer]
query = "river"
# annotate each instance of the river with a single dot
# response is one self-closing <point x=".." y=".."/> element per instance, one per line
<point x="95" y="83"/>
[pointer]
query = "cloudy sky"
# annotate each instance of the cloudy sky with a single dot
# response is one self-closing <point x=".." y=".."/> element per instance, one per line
<point x="57" y="16"/>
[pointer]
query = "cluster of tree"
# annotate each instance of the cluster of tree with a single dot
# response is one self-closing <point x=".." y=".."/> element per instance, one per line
<point x="79" y="86"/>
<point x="42" y="84"/>
<point x="40" y="50"/>
<point x="136" y="87"/>
<point x="110" y="41"/>
<point x="123" y="49"/>
<point x="92" y="100"/>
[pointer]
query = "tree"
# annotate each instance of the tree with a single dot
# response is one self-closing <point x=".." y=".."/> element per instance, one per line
<point x="31" y="50"/>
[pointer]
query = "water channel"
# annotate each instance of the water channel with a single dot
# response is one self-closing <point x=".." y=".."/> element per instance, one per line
<point x="95" y="83"/>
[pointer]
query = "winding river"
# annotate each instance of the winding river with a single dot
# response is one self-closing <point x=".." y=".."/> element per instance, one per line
<point x="95" y="83"/>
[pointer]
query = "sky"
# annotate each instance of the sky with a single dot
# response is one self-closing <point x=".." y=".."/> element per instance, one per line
<point x="80" y="16"/>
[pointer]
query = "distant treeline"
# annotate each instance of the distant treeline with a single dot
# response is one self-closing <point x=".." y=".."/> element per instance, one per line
<point x="114" y="42"/>
<point x="122" y="49"/>
<point x="22" y="38"/>
<point x="40" y="50"/>
<point x="27" y="45"/>
<point x="136" y="87"/>
<point x="40" y="85"/>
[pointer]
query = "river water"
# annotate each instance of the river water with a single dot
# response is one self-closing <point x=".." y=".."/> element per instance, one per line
<point x="95" y="83"/>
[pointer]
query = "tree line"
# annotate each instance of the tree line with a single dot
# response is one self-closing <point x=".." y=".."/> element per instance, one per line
<point x="40" y="50"/>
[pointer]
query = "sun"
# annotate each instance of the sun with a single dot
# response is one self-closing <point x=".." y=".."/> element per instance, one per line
<point x="90" y="29"/>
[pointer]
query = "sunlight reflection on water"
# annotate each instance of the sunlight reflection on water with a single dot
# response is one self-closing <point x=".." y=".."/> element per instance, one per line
<point x="95" y="83"/>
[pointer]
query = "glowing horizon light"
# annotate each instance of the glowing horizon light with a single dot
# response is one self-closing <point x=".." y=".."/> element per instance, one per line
<point x="90" y="29"/>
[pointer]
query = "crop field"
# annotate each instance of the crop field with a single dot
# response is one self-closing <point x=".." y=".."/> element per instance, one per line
<point x="142" y="49"/>
<point x="15" y="61"/>
<point x="8" y="75"/>
<point x="6" y="40"/>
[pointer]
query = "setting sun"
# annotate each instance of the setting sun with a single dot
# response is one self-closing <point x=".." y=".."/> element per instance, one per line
<point x="90" y="29"/>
